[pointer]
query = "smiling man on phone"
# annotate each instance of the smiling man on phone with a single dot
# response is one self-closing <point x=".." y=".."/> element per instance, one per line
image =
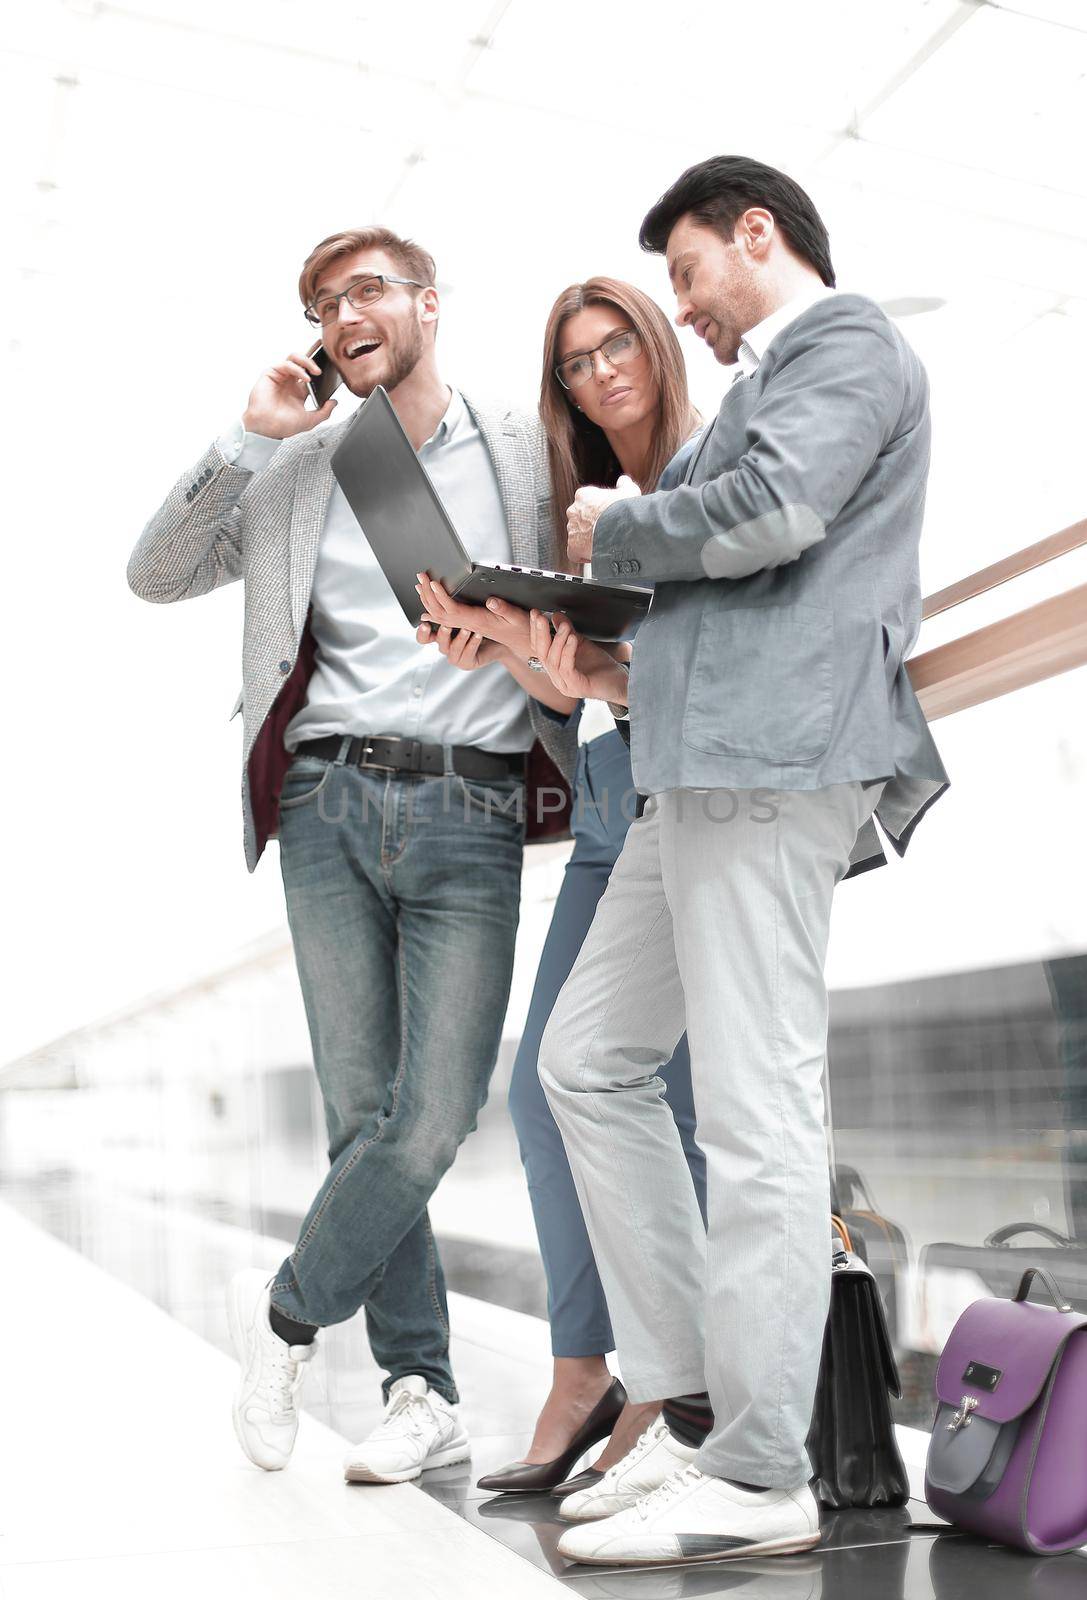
<point x="394" y="783"/>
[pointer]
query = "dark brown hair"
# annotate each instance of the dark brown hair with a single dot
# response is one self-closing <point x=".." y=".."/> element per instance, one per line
<point x="717" y="192"/>
<point x="411" y="260"/>
<point x="578" y="451"/>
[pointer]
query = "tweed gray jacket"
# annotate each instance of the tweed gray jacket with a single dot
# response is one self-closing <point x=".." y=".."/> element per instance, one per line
<point x="220" y="523"/>
<point x="787" y="591"/>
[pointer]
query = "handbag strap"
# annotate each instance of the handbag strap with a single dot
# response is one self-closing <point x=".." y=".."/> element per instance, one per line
<point x="840" y="1227"/>
<point x="1050" y="1282"/>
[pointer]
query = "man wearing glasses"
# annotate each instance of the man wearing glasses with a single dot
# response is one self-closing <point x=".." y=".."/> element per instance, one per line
<point x="394" y="782"/>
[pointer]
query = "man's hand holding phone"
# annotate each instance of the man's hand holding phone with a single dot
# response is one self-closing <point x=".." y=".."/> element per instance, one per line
<point x="277" y="405"/>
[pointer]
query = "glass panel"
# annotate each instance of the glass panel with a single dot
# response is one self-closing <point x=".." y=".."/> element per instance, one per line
<point x="958" y="1043"/>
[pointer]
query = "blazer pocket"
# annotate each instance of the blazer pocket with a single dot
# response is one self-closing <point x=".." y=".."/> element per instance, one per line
<point x="763" y="683"/>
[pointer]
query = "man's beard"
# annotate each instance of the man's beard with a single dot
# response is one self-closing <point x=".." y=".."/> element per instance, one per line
<point x="726" y="344"/>
<point x="402" y="358"/>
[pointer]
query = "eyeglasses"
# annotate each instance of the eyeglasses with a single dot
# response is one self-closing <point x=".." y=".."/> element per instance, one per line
<point x="366" y="292"/>
<point x="618" y="350"/>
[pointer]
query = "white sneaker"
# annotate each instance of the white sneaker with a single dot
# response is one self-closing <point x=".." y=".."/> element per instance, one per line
<point x="692" y="1517"/>
<point x="265" y="1409"/>
<point x="419" y="1431"/>
<point x="656" y="1456"/>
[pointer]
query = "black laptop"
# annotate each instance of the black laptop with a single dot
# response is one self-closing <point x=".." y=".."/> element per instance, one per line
<point x="409" y="531"/>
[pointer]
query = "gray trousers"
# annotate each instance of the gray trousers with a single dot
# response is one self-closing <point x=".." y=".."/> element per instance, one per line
<point x="716" y="918"/>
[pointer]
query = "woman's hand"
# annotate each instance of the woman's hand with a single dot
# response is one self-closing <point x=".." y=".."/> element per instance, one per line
<point x="499" y="621"/>
<point x="467" y="649"/>
<point x="464" y="648"/>
<point x="577" y="667"/>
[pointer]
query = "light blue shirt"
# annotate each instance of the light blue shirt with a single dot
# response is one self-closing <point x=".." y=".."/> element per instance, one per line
<point x="371" y="675"/>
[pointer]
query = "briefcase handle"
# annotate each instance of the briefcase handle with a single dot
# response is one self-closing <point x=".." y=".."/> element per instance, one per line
<point x="1012" y="1229"/>
<point x="839" y="1226"/>
<point x="1050" y="1282"/>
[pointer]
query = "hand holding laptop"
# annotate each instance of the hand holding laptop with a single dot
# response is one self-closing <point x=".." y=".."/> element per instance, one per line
<point x="464" y="649"/>
<point x="409" y="530"/>
<point x="577" y="667"/>
<point x="498" y="620"/>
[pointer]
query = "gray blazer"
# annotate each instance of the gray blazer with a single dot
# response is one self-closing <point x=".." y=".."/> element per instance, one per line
<point x="787" y="590"/>
<point x="220" y="523"/>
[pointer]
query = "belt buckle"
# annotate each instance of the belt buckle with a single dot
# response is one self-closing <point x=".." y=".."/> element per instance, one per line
<point x="411" y="759"/>
<point x="374" y="766"/>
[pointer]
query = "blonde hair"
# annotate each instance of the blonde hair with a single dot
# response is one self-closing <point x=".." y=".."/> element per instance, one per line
<point x="578" y="450"/>
<point x="411" y="259"/>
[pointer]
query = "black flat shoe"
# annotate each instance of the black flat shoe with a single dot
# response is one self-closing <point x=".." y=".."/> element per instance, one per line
<point x="521" y="1477"/>
<point x="574" y="1485"/>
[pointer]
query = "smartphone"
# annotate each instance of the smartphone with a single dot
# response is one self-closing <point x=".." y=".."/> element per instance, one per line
<point x="329" y="381"/>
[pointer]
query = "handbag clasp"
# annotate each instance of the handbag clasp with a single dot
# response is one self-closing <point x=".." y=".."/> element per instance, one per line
<point x="961" y="1419"/>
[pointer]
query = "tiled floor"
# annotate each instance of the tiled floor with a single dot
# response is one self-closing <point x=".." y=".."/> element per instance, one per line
<point x="127" y="1478"/>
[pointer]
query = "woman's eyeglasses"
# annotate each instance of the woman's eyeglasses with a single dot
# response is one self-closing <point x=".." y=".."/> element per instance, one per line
<point x="617" y="351"/>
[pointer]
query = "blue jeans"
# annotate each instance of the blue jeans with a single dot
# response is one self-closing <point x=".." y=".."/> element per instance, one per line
<point x="604" y="802"/>
<point x="403" y="897"/>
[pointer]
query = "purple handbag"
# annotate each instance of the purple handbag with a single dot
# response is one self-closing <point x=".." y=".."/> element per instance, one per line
<point x="1008" y="1453"/>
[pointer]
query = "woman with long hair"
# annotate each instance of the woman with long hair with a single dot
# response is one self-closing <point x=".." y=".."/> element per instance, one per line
<point x="614" y="405"/>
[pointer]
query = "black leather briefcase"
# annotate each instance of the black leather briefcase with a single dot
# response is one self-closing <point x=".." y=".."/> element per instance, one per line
<point x="854" y="1453"/>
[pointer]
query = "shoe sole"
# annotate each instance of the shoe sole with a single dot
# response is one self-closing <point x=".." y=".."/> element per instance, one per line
<point x="444" y="1458"/>
<point x="771" y="1547"/>
<point x="237" y="1339"/>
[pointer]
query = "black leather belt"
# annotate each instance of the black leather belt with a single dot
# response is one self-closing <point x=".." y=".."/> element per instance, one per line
<point x="388" y="752"/>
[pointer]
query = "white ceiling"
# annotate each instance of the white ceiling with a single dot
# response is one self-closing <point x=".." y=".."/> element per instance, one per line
<point x="205" y="146"/>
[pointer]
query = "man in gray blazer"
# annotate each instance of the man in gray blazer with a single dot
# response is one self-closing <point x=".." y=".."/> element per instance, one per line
<point x="395" y="784"/>
<point x="771" y="714"/>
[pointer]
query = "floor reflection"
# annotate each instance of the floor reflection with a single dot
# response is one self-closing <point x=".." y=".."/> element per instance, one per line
<point x="181" y="1262"/>
<point x="963" y="1568"/>
<point x="864" y="1553"/>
